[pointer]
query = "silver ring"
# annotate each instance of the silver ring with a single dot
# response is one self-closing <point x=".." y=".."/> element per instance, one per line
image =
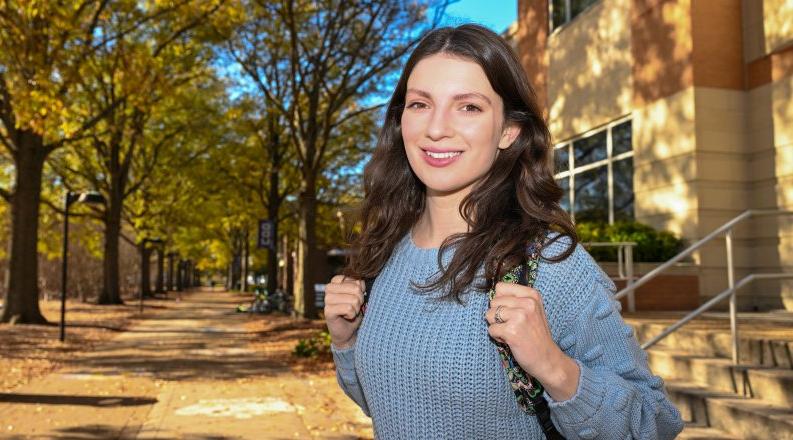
<point x="498" y="315"/>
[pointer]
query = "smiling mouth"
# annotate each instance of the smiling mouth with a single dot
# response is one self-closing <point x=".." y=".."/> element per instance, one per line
<point x="444" y="155"/>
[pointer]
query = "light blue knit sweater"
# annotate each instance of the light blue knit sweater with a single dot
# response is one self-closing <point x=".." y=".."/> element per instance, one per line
<point x="423" y="369"/>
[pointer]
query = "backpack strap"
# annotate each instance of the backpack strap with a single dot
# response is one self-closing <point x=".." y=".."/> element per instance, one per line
<point x="369" y="282"/>
<point x="528" y="390"/>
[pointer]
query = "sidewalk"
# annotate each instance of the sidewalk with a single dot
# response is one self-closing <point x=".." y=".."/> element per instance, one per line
<point x="192" y="370"/>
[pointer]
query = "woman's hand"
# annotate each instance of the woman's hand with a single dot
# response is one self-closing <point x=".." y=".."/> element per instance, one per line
<point x="522" y="325"/>
<point x="343" y="300"/>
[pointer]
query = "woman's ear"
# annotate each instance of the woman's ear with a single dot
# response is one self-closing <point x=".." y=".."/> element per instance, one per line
<point x="508" y="135"/>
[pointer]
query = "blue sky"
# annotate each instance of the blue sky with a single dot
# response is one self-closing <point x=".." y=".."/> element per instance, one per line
<point x="495" y="14"/>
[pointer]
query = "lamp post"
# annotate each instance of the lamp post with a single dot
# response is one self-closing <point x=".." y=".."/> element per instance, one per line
<point x="71" y="198"/>
<point x="144" y="273"/>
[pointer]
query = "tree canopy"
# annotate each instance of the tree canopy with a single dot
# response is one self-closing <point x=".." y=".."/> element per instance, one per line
<point x="194" y="119"/>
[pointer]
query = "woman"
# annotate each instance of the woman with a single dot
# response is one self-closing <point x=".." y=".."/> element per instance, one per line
<point x="460" y="183"/>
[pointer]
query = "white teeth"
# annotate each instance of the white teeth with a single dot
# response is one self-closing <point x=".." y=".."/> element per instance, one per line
<point x="443" y="155"/>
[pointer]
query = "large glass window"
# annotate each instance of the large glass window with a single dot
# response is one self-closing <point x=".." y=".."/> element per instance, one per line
<point x="623" y="189"/>
<point x="562" y="160"/>
<point x="621" y="138"/>
<point x="590" y="149"/>
<point x="565" y="184"/>
<point x="562" y="11"/>
<point x="592" y="195"/>
<point x="596" y="173"/>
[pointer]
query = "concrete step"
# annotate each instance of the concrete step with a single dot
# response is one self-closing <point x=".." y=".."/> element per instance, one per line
<point x="695" y="432"/>
<point x="739" y="416"/>
<point x="773" y="385"/>
<point x="717" y="373"/>
<point x="770" y="345"/>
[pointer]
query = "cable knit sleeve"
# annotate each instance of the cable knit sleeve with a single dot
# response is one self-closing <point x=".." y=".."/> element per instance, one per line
<point x="347" y="376"/>
<point x="617" y="396"/>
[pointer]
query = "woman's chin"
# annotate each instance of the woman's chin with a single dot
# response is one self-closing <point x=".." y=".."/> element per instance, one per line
<point x="444" y="188"/>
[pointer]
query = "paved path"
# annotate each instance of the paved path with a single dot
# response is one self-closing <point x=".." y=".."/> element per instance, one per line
<point x="184" y="371"/>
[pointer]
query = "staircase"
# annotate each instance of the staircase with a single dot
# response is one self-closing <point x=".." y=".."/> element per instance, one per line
<point x="718" y="400"/>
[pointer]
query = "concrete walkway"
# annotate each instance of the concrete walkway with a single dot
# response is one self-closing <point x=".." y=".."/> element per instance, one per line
<point x="184" y="371"/>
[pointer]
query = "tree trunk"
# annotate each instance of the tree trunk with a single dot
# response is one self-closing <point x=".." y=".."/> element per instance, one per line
<point x="111" y="280"/>
<point x="170" y="271"/>
<point x="180" y="276"/>
<point x="145" y="275"/>
<point x="189" y="274"/>
<point x="22" y="290"/>
<point x="272" y="268"/>
<point x="228" y="277"/>
<point x="159" y="284"/>
<point x="306" y="245"/>
<point x="236" y="270"/>
<point x="272" y="214"/>
<point x="245" y="257"/>
<point x="285" y="282"/>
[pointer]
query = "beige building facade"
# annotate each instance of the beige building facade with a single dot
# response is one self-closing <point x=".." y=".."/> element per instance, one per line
<point x="678" y="114"/>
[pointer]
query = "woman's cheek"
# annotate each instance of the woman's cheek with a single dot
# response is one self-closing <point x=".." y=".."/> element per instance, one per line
<point x="410" y="128"/>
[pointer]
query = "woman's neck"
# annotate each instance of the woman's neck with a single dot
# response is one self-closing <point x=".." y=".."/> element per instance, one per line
<point x="440" y="219"/>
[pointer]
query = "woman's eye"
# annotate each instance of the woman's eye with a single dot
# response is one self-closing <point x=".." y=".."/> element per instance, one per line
<point x="417" y="105"/>
<point x="472" y="108"/>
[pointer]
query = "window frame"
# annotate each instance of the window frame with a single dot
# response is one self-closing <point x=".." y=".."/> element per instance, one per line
<point x="567" y="17"/>
<point x="572" y="171"/>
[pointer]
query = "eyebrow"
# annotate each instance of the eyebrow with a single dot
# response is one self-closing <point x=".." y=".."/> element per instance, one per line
<point x="457" y="97"/>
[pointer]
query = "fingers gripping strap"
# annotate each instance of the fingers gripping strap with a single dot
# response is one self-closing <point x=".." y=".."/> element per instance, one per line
<point x="528" y="391"/>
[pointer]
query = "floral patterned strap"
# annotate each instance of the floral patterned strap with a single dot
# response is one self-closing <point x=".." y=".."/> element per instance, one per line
<point x="527" y="389"/>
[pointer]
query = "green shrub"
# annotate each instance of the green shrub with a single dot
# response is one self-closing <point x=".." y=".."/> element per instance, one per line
<point x="651" y="245"/>
<point x="316" y="345"/>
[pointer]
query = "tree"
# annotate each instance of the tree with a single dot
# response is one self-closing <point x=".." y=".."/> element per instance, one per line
<point x="41" y="45"/>
<point x="260" y="169"/>
<point x="159" y="119"/>
<point x="328" y="55"/>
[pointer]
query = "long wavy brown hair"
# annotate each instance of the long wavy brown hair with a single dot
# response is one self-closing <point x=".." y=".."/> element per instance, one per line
<point x="516" y="202"/>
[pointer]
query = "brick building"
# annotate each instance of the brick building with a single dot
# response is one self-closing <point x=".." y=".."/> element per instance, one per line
<point x="678" y="114"/>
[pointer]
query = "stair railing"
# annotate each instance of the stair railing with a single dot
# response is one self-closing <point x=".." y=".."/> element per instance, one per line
<point x="624" y="264"/>
<point x="726" y="229"/>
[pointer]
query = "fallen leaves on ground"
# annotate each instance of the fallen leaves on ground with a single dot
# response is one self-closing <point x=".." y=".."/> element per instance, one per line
<point x="277" y="336"/>
<point x="31" y="351"/>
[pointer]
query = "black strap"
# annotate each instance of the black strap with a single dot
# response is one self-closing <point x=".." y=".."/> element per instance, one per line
<point x="540" y="404"/>
<point x="369" y="282"/>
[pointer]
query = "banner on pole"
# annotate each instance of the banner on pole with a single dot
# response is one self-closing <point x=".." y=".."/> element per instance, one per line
<point x="265" y="239"/>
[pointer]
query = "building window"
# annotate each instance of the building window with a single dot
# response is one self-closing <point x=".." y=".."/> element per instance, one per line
<point x="562" y="11"/>
<point x="596" y="173"/>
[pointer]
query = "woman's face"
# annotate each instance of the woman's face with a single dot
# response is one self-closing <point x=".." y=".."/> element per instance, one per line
<point x="453" y="124"/>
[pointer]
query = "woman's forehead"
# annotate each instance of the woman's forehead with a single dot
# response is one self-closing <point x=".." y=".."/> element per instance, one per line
<point x="443" y="74"/>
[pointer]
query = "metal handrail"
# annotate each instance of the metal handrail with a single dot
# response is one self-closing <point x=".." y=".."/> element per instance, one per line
<point x="727" y="229"/>
<point x="624" y="263"/>
<point x="712" y="302"/>
<point x="688" y="251"/>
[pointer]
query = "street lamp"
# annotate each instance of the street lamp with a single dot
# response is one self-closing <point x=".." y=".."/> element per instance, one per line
<point x="144" y="274"/>
<point x="71" y="198"/>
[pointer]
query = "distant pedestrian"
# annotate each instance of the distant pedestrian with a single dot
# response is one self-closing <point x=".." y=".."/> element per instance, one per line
<point x="462" y="177"/>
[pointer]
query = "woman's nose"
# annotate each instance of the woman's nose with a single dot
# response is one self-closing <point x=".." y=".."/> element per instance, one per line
<point x="440" y="125"/>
